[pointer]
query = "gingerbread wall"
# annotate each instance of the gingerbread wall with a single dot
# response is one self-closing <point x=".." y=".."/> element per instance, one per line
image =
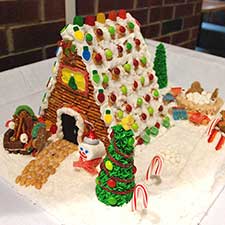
<point x="63" y="94"/>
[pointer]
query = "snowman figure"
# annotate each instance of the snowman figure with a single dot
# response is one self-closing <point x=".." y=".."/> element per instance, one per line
<point x="91" y="151"/>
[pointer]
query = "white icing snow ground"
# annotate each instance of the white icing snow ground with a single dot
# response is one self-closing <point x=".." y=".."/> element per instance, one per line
<point x="193" y="176"/>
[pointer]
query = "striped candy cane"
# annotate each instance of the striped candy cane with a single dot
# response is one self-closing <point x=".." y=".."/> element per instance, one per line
<point x="157" y="160"/>
<point x="212" y="125"/>
<point x="139" y="188"/>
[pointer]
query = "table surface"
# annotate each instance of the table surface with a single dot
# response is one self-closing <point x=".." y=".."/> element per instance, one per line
<point x="212" y="6"/>
<point x="25" y="85"/>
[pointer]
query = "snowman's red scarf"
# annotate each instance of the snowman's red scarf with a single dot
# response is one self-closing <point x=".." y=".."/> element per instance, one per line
<point x="89" y="165"/>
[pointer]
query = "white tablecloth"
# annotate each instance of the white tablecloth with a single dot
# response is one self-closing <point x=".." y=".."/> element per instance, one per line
<point x="25" y="85"/>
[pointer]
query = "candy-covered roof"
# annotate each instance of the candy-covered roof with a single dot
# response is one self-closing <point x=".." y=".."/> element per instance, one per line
<point x="119" y="65"/>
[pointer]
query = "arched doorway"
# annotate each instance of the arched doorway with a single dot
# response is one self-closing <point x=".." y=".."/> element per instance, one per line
<point x="70" y="125"/>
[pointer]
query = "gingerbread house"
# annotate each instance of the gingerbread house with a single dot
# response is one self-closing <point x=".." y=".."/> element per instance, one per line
<point x="103" y="76"/>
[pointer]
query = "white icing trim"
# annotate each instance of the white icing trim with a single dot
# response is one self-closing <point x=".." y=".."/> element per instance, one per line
<point x="79" y="122"/>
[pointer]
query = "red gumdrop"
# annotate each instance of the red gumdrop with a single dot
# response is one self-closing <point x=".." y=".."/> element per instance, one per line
<point x="134" y="169"/>
<point x="111" y="183"/>
<point x="113" y="97"/>
<point x="135" y="84"/>
<point x="135" y="62"/>
<point x="160" y="108"/>
<point x="116" y="70"/>
<point x="140" y="141"/>
<point x="143" y="116"/>
<point x="98" y="57"/>
<point x="120" y="48"/>
<point x="122" y="13"/>
<point x="53" y="129"/>
<point x="157" y="125"/>
<point x="90" y="20"/>
<point x="151" y="77"/>
<point x="147" y="98"/>
<point x="128" y="108"/>
<point x="112" y="15"/>
<point x="41" y="119"/>
<point x="99" y="32"/>
<point x="137" y="42"/>
<point x="122" y="29"/>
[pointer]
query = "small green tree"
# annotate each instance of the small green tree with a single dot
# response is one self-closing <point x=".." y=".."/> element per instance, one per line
<point x="160" y="65"/>
<point x="115" y="183"/>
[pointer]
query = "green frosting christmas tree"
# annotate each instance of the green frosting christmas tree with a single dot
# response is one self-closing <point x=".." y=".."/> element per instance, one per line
<point x="115" y="183"/>
<point x="160" y="66"/>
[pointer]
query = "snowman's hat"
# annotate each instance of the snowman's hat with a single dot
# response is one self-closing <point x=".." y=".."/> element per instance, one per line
<point x="91" y="138"/>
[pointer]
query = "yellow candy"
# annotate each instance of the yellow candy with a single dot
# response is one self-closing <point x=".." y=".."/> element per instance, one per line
<point x="108" y="118"/>
<point x="101" y="17"/>
<point x="127" y="122"/>
<point x="48" y="124"/>
<point x="79" y="35"/>
<point x="108" y="165"/>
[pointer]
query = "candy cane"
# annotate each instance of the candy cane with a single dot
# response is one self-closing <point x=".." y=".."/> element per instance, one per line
<point x="156" y="160"/>
<point x="212" y="125"/>
<point x="139" y="188"/>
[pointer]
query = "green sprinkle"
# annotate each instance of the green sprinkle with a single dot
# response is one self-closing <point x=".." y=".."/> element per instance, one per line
<point x="111" y="30"/>
<point x="89" y="37"/>
<point x="131" y="25"/>
<point x="128" y="46"/>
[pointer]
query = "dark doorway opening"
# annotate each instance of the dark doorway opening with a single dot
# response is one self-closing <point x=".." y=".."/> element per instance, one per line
<point x="69" y="128"/>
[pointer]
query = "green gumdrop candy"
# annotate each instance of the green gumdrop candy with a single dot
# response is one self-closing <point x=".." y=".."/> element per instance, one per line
<point x="112" y="201"/>
<point x="120" y="114"/>
<point x="105" y="78"/>
<point x="166" y="123"/>
<point x="150" y="110"/>
<point x="143" y="60"/>
<point x="108" y="54"/>
<point x="139" y="101"/>
<point x="146" y="138"/>
<point x="111" y="30"/>
<point x="148" y="131"/>
<point x="154" y="131"/>
<point x="127" y="67"/>
<point x="142" y="80"/>
<point x="135" y="126"/>
<point x="89" y="37"/>
<point x="123" y="89"/>
<point x="156" y="93"/>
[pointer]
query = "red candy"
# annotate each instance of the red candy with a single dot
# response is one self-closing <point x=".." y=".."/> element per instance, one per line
<point x="160" y="108"/>
<point x="135" y="62"/>
<point x="122" y="13"/>
<point x="112" y="15"/>
<point x="137" y="42"/>
<point x="53" y="129"/>
<point x="98" y="57"/>
<point x="90" y="20"/>
<point x="116" y="70"/>
<point x="128" y="108"/>
<point x="135" y="84"/>
<point x="157" y="125"/>
<point x="122" y="29"/>
<point x="113" y="97"/>
<point x="120" y="48"/>
<point x="147" y="98"/>
<point x="143" y="116"/>
<point x="140" y="141"/>
<point x="99" y="32"/>
<point x="111" y="183"/>
<point x="134" y="169"/>
<point x="151" y="77"/>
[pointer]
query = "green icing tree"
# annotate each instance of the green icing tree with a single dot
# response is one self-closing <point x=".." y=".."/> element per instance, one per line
<point x="115" y="183"/>
<point x="160" y="65"/>
<point x="72" y="83"/>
